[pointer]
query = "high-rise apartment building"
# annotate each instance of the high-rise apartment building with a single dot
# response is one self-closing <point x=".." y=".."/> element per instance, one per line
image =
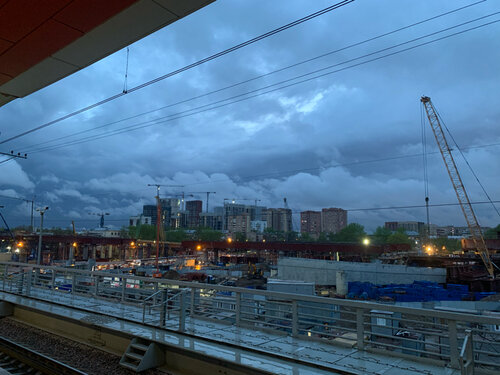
<point x="211" y="220"/>
<point x="239" y="224"/>
<point x="310" y="222"/>
<point x="193" y="211"/>
<point x="333" y="220"/>
<point x="279" y="219"/>
<point x="408" y="226"/>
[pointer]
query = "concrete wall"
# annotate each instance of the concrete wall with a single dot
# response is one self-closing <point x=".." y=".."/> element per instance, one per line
<point x="323" y="272"/>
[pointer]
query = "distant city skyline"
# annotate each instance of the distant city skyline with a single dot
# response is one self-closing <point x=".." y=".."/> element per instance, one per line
<point x="350" y="139"/>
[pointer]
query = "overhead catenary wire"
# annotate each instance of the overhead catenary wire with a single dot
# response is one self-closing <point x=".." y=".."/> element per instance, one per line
<point x="468" y="164"/>
<point x="190" y="66"/>
<point x="285" y="84"/>
<point x="296" y="212"/>
<point x="260" y="76"/>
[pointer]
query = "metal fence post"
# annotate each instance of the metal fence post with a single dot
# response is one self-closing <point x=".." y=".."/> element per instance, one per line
<point x="5" y="274"/>
<point x="163" y="307"/>
<point x="295" y="318"/>
<point x="182" y="313"/>
<point x="193" y="301"/>
<point x="467" y="355"/>
<point x="360" y="328"/>
<point x="53" y="280"/>
<point x="124" y="288"/>
<point x="96" y="285"/>
<point x="73" y="283"/>
<point x="238" y="308"/>
<point x="28" y="281"/>
<point x="452" y="334"/>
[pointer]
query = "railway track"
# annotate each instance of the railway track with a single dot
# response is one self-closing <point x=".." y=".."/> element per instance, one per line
<point x="17" y="359"/>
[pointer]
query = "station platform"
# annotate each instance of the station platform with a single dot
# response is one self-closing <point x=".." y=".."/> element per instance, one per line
<point x="256" y="351"/>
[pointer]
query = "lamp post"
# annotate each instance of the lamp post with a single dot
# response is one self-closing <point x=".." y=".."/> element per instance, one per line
<point x="39" y="256"/>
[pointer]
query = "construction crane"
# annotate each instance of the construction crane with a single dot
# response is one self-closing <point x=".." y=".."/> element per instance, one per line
<point x="456" y="180"/>
<point x="233" y="200"/>
<point x="102" y="214"/>
<point x="158" y="224"/>
<point x="203" y="192"/>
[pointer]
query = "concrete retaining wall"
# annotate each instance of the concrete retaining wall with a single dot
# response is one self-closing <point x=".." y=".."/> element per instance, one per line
<point x="324" y="272"/>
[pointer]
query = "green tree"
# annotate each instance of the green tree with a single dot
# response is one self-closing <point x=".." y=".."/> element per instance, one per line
<point x="447" y="244"/>
<point x="352" y="233"/>
<point x="492" y="234"/>
<point x="125" y="232"/>
<point x="177" y="235"/>
<point x="274" y="235"/>
<point x="58" y="230"/>
<point x="240" y="236"/>
<point x="146" y="232"/>
<point x="323" y="237"/>
<point x="399" y="237"/>
<point x="381" y="235"/>
<point x="207" y="234"/>
<point x="305" y="237"/>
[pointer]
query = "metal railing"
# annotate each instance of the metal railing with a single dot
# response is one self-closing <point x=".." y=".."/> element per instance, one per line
<point x="158" y="308"/>
<point x="435" y="336"/>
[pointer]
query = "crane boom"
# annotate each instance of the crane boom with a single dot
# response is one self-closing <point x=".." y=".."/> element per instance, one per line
<point x="456" y="180"/>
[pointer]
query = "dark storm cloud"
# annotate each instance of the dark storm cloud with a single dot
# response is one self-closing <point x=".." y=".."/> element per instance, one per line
<point x="369" y="112"/>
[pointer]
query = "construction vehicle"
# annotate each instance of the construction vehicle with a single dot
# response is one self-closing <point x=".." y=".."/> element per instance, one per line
<point x="456" y="180"/>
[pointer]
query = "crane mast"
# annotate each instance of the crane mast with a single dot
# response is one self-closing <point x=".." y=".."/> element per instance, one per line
<point x="456" y="180"/>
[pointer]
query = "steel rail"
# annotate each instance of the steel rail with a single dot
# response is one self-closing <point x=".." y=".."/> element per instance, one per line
<point x="35" y="360"/>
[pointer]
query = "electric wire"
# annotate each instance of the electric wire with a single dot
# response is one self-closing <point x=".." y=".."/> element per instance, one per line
<point x="255" y="93"/>
<point x="190" y="66"/>
<point x="468" y="164"/>
<point x="7" y="160"/>
<point x="362" y="209"/>
<point x="259" y="76"/>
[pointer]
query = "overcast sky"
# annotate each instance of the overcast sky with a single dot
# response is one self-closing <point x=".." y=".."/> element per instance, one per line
<point x="316" y="143"/>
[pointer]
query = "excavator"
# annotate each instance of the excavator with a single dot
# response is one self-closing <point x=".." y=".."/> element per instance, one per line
<point x="456" y="180"/>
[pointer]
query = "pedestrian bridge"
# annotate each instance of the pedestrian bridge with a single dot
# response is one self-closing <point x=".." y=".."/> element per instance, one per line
<point x="194" y="328"/>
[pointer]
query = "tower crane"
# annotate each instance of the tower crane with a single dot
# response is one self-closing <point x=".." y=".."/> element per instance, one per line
<point x="158" y="223"/>
<point x="101" y="215"/>
<point x="456" y="180"/>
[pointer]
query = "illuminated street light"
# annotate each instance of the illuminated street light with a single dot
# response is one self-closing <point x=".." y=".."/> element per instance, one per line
<point x="366" y="241"/>
<point x="229" y="240"/>
<point x="198" y="247"/>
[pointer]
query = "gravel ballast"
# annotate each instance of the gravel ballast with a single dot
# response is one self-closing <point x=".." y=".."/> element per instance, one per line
<point x="80" y="356"/>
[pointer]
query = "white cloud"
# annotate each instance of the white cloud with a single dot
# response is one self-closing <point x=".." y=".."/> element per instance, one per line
<point x="11" y="173"/>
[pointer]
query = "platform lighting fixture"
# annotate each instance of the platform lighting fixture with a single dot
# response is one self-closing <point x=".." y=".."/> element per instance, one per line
<point x="20" y="244"/>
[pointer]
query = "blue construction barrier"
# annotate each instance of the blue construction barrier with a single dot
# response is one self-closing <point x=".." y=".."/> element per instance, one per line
<point x="418" y="291"/>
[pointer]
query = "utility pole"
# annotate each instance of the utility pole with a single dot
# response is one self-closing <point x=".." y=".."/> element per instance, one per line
<point x="12" y="155"/>
<point x="7" y="226"/>
<point x="39" y="256"/>
<point x="32" y="201"/>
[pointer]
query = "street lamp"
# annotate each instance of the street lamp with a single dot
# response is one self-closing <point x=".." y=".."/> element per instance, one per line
<point x="366" y="241"/>
<point x="42" y="211"/>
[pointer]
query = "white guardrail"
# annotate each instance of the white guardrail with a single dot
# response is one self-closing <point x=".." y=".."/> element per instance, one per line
<point x="457" y="340"/>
